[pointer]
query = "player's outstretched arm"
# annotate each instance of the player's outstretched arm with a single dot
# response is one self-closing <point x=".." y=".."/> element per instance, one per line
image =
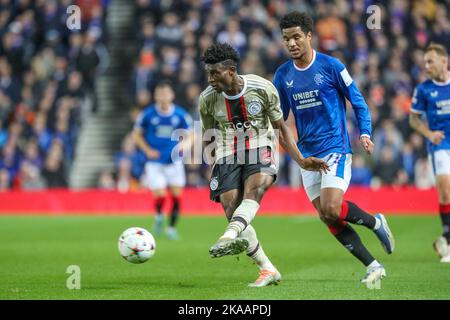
<point x="421" y="126"/>
<point x="288" y="144"/>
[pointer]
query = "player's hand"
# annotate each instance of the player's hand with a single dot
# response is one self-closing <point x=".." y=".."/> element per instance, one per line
<point x="152" y="154"/>
<point x="314" y="164"/>
<point x="367" y="144"/>
<point x="437" y="137"/>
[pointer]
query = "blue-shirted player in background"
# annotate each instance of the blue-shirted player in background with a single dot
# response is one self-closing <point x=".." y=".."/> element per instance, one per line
<point x="432" y="99"/>
<point x="314" y="86"/>
<point x="153" y="135"/>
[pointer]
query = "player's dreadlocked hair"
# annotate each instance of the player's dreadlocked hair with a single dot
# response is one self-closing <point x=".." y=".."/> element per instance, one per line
<point x="220" y="52"/>
<point x="297" y="19"/>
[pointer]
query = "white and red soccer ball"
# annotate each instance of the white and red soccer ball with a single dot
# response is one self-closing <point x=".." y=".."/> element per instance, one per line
<point x="136" y="245"/>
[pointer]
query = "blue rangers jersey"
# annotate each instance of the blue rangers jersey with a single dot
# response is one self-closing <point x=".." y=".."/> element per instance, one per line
<point x="316" y="95"/>
<point x="157" y="129"/>
<point x="432" y="99"/>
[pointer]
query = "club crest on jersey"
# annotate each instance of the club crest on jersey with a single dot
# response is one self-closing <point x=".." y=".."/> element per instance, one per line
<point x="214" y="184"/>
<point x="254" y="107"/>
<point x="434" y="94"/>
<point x="154" y="121"/>
<point x="318" y="79"/>
<point x="290" y="84"/>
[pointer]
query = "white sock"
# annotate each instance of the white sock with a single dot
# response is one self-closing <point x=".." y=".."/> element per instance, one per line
<point x="258" y="256"/>
<point x="242" y="217"/>
<point x="374" y="264"/>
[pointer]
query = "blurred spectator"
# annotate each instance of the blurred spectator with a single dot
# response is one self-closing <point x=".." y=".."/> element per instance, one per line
<point x="29" y="177"/>
<point x="423" y="174"/>
<point x="5" y="181"/>
<point x="92" y="60"/>
<point x="53" y="172"/>
<point x="387" y="167"/>
<point x="361" y="174"/>
<point x="106" y="181"/>
<point x="130" y="153"/>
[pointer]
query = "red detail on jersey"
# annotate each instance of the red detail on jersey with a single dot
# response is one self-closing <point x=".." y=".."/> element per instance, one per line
<point x="244" y="113"/>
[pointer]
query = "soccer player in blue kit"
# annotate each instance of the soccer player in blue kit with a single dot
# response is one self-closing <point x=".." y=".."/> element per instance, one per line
<point x="153" y="135"/>
<point x="314" y="86"/>
<point x="432" y="99"/>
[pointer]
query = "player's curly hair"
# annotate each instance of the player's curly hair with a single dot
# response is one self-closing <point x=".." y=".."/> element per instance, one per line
<point x="297" y="19"/>
<point x="220" y="52"/>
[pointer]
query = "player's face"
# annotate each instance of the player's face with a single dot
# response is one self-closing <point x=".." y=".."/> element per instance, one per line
<point x="164" y="96"/>
<point x="296" y="41"/>
<point x="219" y="76"/>
<point x="434" y="64"/>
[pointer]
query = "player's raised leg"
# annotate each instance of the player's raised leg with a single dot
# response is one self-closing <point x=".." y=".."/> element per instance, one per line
<point x="255" y="187"/>
<point x="268" y="273"/>
<point x="230" y="200"/>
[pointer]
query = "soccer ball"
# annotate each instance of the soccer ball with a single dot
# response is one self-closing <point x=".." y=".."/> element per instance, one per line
<point x="136" y="245"/>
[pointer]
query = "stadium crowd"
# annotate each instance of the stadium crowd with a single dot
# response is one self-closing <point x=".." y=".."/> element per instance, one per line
<point x="47" y="73"/>
<point x="385" y="62"/>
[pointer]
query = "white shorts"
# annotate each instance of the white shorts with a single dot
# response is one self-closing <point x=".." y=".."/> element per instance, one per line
<point x="338" y="177"/>
<point x="160" y="175"/>
<point x="440" y="162"/>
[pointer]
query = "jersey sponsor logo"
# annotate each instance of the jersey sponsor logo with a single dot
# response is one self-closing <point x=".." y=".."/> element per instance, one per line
<point x="290" y="84"/>
<point x="346" y="77"/>
<point x="214" y="184"/>
<point x="164" y="131"/>
<point x="307" y="99"/>
<point x="305" y="95"/>
<point x="244" y="125"/>
<point x="318" y="79"/>
<point x="254" y="107"/>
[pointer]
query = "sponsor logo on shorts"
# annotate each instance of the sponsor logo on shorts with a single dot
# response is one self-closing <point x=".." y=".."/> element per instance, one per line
<point x="214" y="184"/>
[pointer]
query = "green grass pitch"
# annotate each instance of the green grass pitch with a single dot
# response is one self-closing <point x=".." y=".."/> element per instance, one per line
<point x="35" y="252"/>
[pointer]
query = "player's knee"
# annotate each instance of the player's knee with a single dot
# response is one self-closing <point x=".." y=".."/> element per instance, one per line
<point x="329" y="213"/>
<point x="445" y="198"/>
